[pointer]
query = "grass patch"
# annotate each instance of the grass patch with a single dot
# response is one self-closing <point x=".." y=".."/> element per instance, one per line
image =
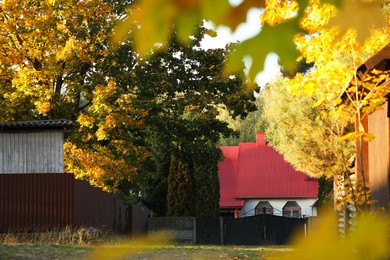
<point x="88" y="244"/>
<point x="40" y="251"/>
<point x="212" y="252"/>
<point x="180" y="252"/>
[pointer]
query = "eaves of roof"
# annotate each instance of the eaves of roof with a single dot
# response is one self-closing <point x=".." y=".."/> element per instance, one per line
<point x="40" y="124"/>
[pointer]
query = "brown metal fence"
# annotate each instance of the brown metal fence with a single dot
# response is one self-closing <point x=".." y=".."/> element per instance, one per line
<point x="44" y="201"/>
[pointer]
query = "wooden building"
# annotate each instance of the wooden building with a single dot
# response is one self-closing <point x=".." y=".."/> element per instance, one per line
<point x="372" y="163"/>
<point x="33" y="146"/>
<point x="36" y="194"/>
<point x="375" y="155"/>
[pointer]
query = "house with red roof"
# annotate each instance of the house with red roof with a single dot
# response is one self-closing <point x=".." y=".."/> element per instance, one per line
<point x="255" y="179"/>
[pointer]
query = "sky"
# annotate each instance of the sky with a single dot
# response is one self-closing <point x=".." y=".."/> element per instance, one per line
<point x="244" y="31"/>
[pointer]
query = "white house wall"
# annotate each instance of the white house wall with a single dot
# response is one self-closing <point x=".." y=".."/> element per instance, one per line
<point x="306" y="205"/>
<point x="36" y="152"/>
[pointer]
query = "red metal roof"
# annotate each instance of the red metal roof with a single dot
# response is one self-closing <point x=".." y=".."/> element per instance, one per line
<point x="263" y="172"/>
<point x="227" y="171"/>
<point x="256" y="170"/>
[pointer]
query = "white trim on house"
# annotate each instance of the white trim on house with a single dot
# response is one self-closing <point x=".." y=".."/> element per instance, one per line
<point x="306" y="204"/>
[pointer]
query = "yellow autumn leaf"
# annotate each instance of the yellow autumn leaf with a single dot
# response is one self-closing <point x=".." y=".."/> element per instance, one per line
<point x="367" y="137"/>
<point x="369" y="240"/>
<point x="360" y="15"/>
<point x="350" y="136"/>
<point x="131" y="247"/>
<point x="319" y="102"/>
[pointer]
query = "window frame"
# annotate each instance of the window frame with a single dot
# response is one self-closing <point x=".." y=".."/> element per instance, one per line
<point x="292" y="211"/>
<point x="269" y="210"/>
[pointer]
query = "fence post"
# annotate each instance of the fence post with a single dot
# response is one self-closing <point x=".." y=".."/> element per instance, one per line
<point x="221" y="230"/>
<point x="194" y="230"/>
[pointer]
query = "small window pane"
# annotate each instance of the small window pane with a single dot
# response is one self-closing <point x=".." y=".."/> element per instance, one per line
<point x="263" y="207"/>
<point x="292" y="210"/>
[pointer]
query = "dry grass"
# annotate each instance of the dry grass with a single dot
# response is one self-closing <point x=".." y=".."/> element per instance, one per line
<point x="67" y="236"/>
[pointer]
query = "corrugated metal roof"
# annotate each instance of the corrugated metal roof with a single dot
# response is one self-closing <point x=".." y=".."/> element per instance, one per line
<point x="251" y="170"/>
<point x="263" y="173"/>
<point x="227" y="171"/>
<point x="36" y="124"/>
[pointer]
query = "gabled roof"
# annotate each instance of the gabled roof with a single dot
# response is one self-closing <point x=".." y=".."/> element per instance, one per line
<point x="256" y="170"/>
<point x="377" y="61"/>
<point x="263" y="173"/>
<point x="227" y="178"/>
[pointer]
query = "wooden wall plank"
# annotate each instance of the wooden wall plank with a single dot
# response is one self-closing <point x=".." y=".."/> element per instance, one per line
<point x="378" y="161"/>
<point x="36" y="152"/>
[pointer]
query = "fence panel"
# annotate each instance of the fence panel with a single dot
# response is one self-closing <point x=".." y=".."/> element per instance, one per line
<point x="92" y="207"/>
<point x="35" y="201"/>
<point x="261" y="230"/>
<point x="181" y="228"/>
<point x="44" y="201"/>
<point x="208" y="231"/>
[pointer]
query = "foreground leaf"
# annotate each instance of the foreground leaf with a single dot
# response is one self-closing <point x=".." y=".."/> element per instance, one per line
<point x="367" y="241"/>
<point x="360" y="16"/>
<point x="271" y="39"/>
<point x="131" y="247"/>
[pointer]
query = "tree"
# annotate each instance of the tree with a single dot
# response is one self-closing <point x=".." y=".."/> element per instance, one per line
<point x="103" y="147"/>
<point x="311" y="143"/>
<point x="326" y="86"/>
<point x="180" y="88"/>
<point x="205" y="164"/>
<point x="180" y="197"/>
<point x="56" y="64"/>
<point x="245" y="128"/>
<point x="48" y="53"/>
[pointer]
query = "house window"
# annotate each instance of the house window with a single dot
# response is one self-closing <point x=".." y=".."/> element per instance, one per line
<point x="263" y="207"/>
<point x="291" y="209"/>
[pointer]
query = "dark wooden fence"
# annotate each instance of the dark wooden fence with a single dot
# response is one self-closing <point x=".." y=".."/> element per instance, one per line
<point x="208" y="231"/>
<point x="44" y="201"/>
<point x="255" y="230"/>
<point x="262" y="230"/>
<point x="182" y="229"/>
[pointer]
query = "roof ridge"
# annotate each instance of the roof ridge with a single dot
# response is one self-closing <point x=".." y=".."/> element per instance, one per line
<point x="37" y="123"/>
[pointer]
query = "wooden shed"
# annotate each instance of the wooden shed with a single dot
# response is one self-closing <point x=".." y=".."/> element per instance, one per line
<point x="33" y="146"/>
<point x="36" y="194"/>
<point x="375" y="155"/>
<point x="372" y="162"/>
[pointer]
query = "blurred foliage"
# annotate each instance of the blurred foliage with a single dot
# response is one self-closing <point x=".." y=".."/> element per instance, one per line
<point x="151" y="22"/>
<point x="368" y="241"/>
<point x="131" y="247"/>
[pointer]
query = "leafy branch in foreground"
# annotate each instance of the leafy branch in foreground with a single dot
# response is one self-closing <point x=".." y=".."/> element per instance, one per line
<point x="151" y="22"/>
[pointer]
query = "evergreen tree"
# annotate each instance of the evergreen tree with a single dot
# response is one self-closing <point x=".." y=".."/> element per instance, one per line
<point x="180" y="199"/>
<point x="205" y="163"/>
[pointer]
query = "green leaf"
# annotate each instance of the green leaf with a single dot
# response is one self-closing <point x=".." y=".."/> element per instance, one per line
<point x="215" y="10"/>
<point x="336" y="3"/>
<point x="150" y="21"/>
<point x="277" y="39"/>
<point x="186" y="25"/>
